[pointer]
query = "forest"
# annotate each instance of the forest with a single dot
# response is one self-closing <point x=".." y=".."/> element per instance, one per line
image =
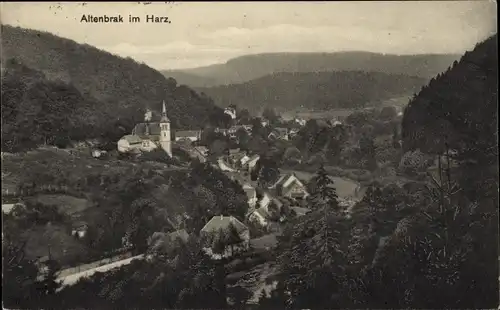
<point x="422" y="242"/>
<point x="315" y="90"/>
<point x="69" y="91"/>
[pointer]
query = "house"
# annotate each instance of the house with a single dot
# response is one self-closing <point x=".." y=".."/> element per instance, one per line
<point x="300" y="121"/>
<point x="148" y="135"/>
<point x="231" y="112"/>
<point x="235" y="157"/>
<point x="188" y="135"/>
<point x="79" y="229"/>
<point x="220" y="229"/>
<point x="293" y="133"/>
<point x="200" y="152"/>
<point x="269" y="210"/>
<point x="251" y="195"/>
<point x="251" y="163"/>
<point x="98" y="153"/>
<point x="278" y="133"/>
<point x="8" y="208"/>
<point x="223" y="131"/>
<point x="244" y="160"/>
<point x="165" y="243"/>
<point x="222" y="165"/>
<point x="290" y="186"/>
<point x="234" y="129"/>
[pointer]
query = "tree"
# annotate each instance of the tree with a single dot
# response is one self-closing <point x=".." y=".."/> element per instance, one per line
<point x="19" y="273"/>
<point x="243" y="138"/>
<point x="233" y="238"/>
<point x="388" y="113"/>
<point x="367" y="148"/>
<point x="218" y="148"/>
<point x="270" y="115"/>
<point x="239" y="296"/>
<point x="323" y="192"/>
<point x="244" y="116"/>
<point x="292" y="156"/>
<point x="48" y="285"/>
<point x="268" y="172"/>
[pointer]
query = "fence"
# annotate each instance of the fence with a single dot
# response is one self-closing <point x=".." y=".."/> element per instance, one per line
<point x="72" y="270"/>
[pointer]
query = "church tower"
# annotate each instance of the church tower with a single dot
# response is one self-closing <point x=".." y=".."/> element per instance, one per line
<point x="165" y="135"/>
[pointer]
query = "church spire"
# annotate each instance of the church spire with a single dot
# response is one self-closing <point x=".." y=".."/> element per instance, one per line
<point x="164" y="117"/>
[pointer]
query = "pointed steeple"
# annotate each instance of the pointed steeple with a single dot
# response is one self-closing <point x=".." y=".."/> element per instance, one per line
<point x="164" y="118"/>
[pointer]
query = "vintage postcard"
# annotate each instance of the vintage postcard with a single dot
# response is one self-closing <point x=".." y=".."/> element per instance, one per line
<point x="250" y="155"/>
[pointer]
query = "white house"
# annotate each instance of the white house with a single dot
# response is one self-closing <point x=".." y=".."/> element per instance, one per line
<point x="268" y="208"/>
<point x="290" y="186"/>
<point x="222" y="165"/>
<point x="300" y="121"/>
<point x="244" y="160"/>
<point x="251" y="195"/>
<point x="231" y="112"/>
<point x="191" y="135"/>
<point x="79" y="229"/>
<point x="252" y="162"/>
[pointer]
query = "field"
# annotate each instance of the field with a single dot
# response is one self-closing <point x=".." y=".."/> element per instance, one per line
<point x="68" y="204"/>
<point x="53" y="240"/>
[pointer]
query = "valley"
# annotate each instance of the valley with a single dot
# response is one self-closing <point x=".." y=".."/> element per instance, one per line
<point x="289" y="180"/>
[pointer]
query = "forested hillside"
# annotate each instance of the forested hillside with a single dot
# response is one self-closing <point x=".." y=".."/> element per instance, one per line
<point x="249" y="67"/>
<point x="458" y="109"/>
<point x="315" y="90"/>
<point x="109" y="92"/>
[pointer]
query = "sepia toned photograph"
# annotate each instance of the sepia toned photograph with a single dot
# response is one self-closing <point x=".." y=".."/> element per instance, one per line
<point x="250" y="155"/>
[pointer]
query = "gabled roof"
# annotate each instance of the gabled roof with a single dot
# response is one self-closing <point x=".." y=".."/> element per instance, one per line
<point x="249" y="190"/>
<point x="263" y="212"/>
<point x="219" y="222"/>
<point x="187" y="133"/>
<point x="253" y="159"/>
<point x="132" y="139"/>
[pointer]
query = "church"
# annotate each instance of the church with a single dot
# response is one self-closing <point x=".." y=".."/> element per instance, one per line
<point x="148" y="135"/>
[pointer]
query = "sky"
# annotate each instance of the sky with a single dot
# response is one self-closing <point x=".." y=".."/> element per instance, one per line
<point x="204" y="33"/>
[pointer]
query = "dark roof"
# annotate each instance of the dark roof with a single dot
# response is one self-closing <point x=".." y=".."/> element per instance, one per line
<point x="222" y="223"/>
<point x="140" y="129"/>
<point x="187" y="133"/>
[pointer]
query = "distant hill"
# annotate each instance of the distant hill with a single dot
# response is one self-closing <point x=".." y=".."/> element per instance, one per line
<point x="119" y="88"/>
<point x="317" y="91"/>
<point x="458" y="109"/>
<point x="246" y="68"/>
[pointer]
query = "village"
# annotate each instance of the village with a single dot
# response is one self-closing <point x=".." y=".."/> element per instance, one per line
<point x="270" y="205"/>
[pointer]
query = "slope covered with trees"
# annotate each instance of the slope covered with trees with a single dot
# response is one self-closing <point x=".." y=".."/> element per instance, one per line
<point x="249" y="67"/>
<point x="458" y="108"/>
<point x="315" y="90"/>
<point x="424" y="245"/>
<point x="106" y="92"/>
